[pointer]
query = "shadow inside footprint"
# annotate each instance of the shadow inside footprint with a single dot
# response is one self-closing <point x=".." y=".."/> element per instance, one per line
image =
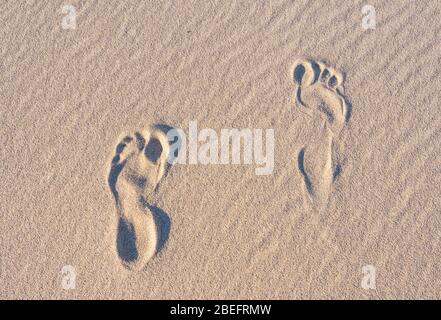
<point x="113" y="176"/>
<point x="299" y="72"/>
<point x="317" y="70"/>
<point x="301" y="166"/>
<point x="348" y="110"/>
<point x="337" y="172"/>
<point x="153" y="150"/>
<point x="126" y="237"/>
<point x="162" y="222"/>
<point x="163" y="225"/>
<point x="126" y="240"/>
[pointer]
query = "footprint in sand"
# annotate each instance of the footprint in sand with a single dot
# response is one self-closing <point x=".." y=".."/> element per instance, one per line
<point x="319" y="94"/>
<point x="136" y="169"/>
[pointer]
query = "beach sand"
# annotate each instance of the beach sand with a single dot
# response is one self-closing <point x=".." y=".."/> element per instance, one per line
<point x="351" y="209"/>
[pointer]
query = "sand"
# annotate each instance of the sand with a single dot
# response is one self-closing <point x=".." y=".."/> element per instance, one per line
<point x="351" y="209"/>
